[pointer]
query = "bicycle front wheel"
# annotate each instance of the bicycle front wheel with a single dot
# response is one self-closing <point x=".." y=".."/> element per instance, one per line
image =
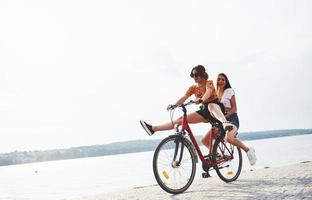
<point x="174" y="164"/>
<point x="227" y="160"/>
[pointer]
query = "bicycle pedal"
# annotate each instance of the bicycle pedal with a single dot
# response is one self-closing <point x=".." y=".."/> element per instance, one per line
<point x="205" y="175"/>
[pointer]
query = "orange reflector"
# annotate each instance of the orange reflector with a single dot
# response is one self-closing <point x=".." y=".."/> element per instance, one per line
<point x="165" y="175"/>
<point x="229" y="173"/>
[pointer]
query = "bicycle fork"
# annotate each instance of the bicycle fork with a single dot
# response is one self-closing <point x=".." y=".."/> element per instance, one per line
<point x="176" y="163"/>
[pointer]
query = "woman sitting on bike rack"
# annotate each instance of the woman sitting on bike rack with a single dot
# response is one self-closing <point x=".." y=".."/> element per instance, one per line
<point x="204" y="92"/>
<point x="227" y="97"/>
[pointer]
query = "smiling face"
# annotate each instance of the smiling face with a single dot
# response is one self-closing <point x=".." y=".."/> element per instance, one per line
<point x="221" y="81"/>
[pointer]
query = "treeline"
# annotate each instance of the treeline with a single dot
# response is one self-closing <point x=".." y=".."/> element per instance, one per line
<point x="19" y="157"/>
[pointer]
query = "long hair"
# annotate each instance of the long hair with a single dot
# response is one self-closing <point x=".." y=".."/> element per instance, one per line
<point x="227" y="82"/>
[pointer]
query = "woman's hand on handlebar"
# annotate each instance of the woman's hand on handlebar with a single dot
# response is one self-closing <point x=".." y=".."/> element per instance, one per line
<point x="169" y="107"/>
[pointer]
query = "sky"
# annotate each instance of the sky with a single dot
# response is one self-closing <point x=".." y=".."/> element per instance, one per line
<point x="76" y="73"/>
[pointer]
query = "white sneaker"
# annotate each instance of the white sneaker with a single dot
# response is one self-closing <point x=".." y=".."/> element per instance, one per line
<point x="251" y="154"/>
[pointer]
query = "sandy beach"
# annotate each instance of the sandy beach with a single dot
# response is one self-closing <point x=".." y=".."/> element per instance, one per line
<point x="285" y="182"/>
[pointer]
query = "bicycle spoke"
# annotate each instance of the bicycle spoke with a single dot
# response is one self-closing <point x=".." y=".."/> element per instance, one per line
<point x="229" y="167"/>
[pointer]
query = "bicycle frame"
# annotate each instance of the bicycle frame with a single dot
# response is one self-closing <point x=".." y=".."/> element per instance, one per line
<point x="213" y="135"/>
<point x="175" y="173"/>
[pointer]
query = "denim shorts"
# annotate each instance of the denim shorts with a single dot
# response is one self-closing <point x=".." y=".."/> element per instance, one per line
<point x="234" y="120"/>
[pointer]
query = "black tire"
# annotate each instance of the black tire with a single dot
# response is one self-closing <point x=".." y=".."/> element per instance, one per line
<point x="228" y="168"/>
<point x="164" y="164"/>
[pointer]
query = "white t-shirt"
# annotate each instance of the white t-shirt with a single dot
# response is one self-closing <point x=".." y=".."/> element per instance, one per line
<point x="226" y="97"/>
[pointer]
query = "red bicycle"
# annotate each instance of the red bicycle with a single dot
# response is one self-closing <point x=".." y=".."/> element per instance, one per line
<point x="175" y="158"/>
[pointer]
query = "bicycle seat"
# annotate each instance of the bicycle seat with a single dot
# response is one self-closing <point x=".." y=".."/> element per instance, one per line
<point x="217" y="125"/>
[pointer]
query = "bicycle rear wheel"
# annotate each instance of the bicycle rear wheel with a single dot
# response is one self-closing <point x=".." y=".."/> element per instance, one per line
<point x="227" y="160"/>
<point x="174" y="164"/>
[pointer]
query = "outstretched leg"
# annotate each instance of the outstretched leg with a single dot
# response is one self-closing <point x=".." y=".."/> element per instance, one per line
<point x="216" y="111"/>
<point x="192" y="118"/>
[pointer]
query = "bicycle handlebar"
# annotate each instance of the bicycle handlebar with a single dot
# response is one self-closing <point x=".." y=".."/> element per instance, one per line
<point x="172" y="107"/>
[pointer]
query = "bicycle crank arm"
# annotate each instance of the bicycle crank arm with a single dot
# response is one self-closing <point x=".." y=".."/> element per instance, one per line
<point x="223" y="167"/>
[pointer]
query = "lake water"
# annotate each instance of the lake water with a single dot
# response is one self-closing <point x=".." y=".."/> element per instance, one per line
<point x="90" y="176"/>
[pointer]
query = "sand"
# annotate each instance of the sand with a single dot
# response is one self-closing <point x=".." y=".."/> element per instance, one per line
<point x="285" y="182"/>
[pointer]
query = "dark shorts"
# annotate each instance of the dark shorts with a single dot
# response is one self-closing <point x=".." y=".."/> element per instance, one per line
<point x="234" y="120"/>
<point x="204" y="112"/>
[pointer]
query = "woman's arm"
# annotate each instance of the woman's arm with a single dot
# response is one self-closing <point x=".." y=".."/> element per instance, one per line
<point x="233" y="107"/>
<point x="206" y="95"/>
<point x="182" y="99"/>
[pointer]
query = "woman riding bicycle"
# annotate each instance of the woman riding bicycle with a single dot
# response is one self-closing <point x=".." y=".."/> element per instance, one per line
<point x="204" y="92"/>
<point x="226" y="96"/>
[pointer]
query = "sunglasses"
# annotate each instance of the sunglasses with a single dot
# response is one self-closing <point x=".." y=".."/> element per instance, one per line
<point x="195" y="75"/>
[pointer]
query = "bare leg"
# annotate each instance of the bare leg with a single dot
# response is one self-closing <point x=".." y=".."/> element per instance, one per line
<point x="232" y="139"/>
<point x="192" y="118"/>
<point x="217" y="112"/>
<point x="206" y="139"/>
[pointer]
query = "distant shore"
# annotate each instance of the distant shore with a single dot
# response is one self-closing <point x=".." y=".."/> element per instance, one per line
<point x="133" y="146"/>
<point x="286" y="182"/>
